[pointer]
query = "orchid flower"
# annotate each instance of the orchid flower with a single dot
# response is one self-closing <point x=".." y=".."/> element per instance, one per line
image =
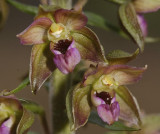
<point x="131" y="15"/>
<point x="68" y="39"/>
<point x="13" y="116"/>
<point x="145" y="6"/>
<point x="103" y="88"/>
<point x="58" y="33"/>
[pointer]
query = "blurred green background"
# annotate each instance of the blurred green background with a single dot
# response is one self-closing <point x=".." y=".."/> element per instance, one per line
<point x="14" y="58"/>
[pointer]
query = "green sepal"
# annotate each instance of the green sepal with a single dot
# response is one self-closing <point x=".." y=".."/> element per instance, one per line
<point x="121" y="57"/>
<point x="41" y="66"/>
<point x="36" y="109"/>
<point x="88" y="44"/>
<point x="26" y="122"/>
<point x="129" y="20"/>
<point x="129" y="108"/>
<point x="78" y="106"/>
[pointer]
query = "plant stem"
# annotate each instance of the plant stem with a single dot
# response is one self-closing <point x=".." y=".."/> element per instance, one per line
<point x="19" y="88"/>
<point x="59" y="85"/>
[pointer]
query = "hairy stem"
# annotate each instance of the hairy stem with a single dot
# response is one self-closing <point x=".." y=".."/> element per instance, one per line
<point x="59" y="85"/>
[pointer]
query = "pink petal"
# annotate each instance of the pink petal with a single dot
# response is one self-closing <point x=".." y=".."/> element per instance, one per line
<point x="72" y="19"/>
<point x="6" y="127"/>
<point x="36" y="33"/>
<point x="67" y="62"/>
<point x="143" y="24"/>
<point x="115" y="110"/>
<point x="105" y="113"/>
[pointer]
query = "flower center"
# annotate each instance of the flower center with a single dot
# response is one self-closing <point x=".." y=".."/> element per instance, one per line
<point x="105" y="96"/>
<point x="109" y="81"/>
<point x="62" y="45"/>
<point x="56" y="30"/>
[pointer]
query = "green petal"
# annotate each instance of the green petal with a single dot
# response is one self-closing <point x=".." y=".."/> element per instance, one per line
<point x="88" y="44"/>
<point x="78" y="107"/>
<point x="129" y="20"/>
<point x="3" y="12"/>
<point x="145" y="6"/>
<point x="41" y="66"/>
<point x="129" y="108"/>
<point x="25" y="122"/>
<point x="120" y="57"/>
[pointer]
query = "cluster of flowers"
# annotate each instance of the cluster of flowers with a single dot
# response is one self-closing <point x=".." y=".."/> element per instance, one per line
<point x="61" y="38"/>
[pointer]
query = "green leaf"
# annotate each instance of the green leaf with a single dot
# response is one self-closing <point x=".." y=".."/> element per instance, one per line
<point x="25" y="122"/>
<point x="3" y="12"/>
<point x="101" y="22"/>
<point x="121" y="57"/>
<point x="129" y="20"/>
<point x="41" y="66"/>
<point x="129" y="108"/>
<point x="78" y="106"/>
<point x="89" y="45"/>
<point x="23" y="7"/>
<point x="117" y="126"/>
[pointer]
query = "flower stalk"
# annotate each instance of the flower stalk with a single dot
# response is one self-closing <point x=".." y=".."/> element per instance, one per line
<point x="59" y="84"/>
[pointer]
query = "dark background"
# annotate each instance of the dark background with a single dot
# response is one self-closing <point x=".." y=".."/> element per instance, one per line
<point x="14" y="58"/>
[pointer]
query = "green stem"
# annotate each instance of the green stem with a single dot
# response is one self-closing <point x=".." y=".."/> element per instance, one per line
<point x="23" y="7"/>
<point x="19" y="88"/>
<point x="59" y="85"/>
